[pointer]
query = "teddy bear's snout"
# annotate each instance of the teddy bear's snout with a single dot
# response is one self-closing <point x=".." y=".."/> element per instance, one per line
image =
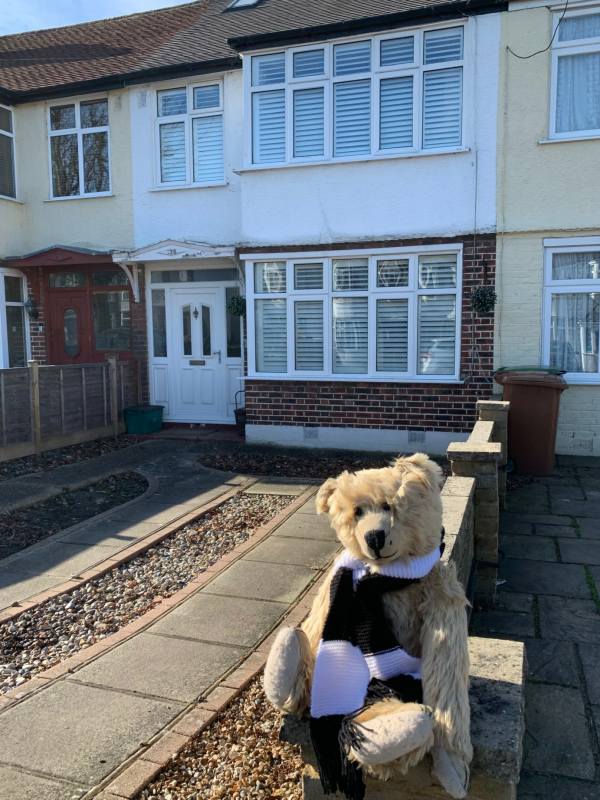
<point x="375" y="540"/>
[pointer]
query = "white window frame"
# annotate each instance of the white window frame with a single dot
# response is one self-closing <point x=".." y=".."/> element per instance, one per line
<point x="551" y="287"/>
<point x="569" y="48"/>
<point x="4" y="358"/>
<point x="11" y="135"/>
<point x="79" y="131"/>
<point x="376" y="74"/>
<point x="374" y="293"/>
<point x="187" y="119"/>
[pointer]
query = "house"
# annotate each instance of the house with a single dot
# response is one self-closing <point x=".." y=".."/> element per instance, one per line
<point x="334" y="163"/>
<point x="548" y="203"/>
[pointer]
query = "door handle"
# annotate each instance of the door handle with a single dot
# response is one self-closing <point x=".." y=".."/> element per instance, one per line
<point x="217" y="353"/>
<point x="197" y="362"/>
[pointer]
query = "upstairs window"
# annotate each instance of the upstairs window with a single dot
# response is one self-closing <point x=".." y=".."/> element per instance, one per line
<point x="79" y="149"/>
<point x="396" y="93"/>
<point x="190" y="135"/>
<point x="576" y="77"/>
<point x="7" y="153"/>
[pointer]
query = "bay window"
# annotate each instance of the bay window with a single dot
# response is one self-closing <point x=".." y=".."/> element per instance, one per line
<point x="395" y="93"/>
<point x="7" y="153"/>
<point x="380" y="315"/>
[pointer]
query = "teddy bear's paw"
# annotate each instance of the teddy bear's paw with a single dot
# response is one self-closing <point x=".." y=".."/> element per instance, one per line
<point x="386" y="737"/>
<point x="452" y="771"/>
<point x="284" y="666"/>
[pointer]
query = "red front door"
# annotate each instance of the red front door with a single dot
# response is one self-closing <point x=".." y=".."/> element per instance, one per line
<point x="70" y="335"/>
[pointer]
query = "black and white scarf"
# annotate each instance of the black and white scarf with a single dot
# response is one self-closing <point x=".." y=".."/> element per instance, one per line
<point x="358" y="655"/>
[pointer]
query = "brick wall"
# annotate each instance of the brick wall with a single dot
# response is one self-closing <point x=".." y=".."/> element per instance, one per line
<point x="37" y="327"/>
<point x="416" y="406"/>
<point x="139" y="340"/>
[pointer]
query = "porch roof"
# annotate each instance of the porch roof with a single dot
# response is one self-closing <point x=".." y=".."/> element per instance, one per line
<point x="58" y="255"/>
<point x="173" y="250"/>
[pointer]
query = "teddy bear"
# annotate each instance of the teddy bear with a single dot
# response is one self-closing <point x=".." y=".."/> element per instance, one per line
<point x="380" y="665"/>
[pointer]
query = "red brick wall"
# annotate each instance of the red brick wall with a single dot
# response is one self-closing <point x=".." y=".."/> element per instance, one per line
<point x="37" y="327"/>
<point x="417" y="406"/>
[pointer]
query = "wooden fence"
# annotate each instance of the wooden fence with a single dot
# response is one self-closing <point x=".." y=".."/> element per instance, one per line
<point x="43" y="407"/>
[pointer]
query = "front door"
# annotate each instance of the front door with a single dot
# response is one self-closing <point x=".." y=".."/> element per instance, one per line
<point x="69" y="340"/>
<point x="198" y="375"/>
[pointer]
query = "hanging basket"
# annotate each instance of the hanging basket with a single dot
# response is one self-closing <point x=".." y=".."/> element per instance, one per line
<point x="483" y="299"/>
<point x="237" y="306"/>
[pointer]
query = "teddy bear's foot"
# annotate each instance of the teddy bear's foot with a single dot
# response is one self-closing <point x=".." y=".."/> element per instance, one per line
<point x="451" y="771"/>
<point x="287" y="670"/>
<point x="388" y="730"/>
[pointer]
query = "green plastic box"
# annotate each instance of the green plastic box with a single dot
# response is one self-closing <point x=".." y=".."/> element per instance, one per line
<point x="143" y="419"/>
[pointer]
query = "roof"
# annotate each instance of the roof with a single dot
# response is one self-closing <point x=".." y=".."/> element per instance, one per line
<point x="193" y="37"/>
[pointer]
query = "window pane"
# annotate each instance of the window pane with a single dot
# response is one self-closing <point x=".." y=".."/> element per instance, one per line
<point x="268" y="69"/>
<point x="111" y="320"/>
<point x="392" y="335"/>
<point x="71" y="333"/>
<point x="574" y="332"/>
<point x="392" y="272"/>
<point x="15" y="330"/>
<point x="7" y="166"/>
<point x="95" y="162"/>
<point x="437" y="271"/>
<point x="396" y="113"/>
<point x="576" y="266"/>
<point x="193" y="275"/>
<point x="585" y="26"/>
<point x="234" y="327"/>
<point x="109" y="278"/>
<point x="308" y="276"/>
<point x="62" y="117"/>
<point x="207" y="142"/>
<point x="351" y="58"/>
<point x="436" y="334"/>
<point x="6" y="120"/>
<point x="578" y="93"/>
<point x="397" y="51"/>
<point x="308" y="63"/>
<point x="13" y="289"/>
<point x="94" y="113"/>
<point x="442" y="108"/>
<point x="309" y="122"/>
<point x="271" y="335"/>
<point x="207" y="96"/>
<point x="65" y="165"/>
<point x="186" y="323"/>
<point x="66" y="280"/>
<point x="172" y="152"/>
<point x="309" y="334"/>
<point x="206" y="340"/>
<point x="159" y="323"/>
<point x="268" y="127"/>
<point x="352" y="118"/>
<point x="350" y="335"/>
<point x="171" y="102"/>
<point x="350" y="274"/>
<point x="443" y="45"/>
<point x="269" y="276"/>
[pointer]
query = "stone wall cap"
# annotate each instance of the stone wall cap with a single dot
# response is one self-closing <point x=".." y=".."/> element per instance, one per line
<point x="494" y="405"/>
<point x="475" y="451"/>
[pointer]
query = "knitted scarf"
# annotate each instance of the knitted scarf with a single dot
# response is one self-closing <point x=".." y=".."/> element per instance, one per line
<point x="358" y="653"/>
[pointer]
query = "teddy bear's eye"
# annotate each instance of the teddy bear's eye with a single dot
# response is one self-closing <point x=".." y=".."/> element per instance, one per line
<point x="385" y="506"/>
<point x="358" y="512"/>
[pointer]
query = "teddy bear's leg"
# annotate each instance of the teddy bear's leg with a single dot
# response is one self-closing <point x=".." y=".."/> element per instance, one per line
<point x="287" y="671"/>
<point x="390" y="729"/>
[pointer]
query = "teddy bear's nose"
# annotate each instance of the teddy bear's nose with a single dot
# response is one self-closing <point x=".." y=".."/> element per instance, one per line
<point x="375" y="540"/>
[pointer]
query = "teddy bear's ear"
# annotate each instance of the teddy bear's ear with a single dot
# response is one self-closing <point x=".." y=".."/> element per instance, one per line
<point x="430" y="472"/>
<point x="324" y="495"/>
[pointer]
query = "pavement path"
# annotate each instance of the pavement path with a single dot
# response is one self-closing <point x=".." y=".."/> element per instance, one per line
<point x="62" y="741"/>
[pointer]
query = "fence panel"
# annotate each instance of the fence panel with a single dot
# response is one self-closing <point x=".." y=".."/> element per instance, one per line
<point x="15" y="407"/>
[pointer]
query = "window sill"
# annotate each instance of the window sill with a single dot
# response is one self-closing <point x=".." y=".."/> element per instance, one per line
<point x="187" y="186"/>
<point x="355" y="160"/>
<point x="588" y="138"/>
<point x="352" y="379"/>
<point x="12" y="199"/>
<point x="573" y="380"/>
<point x="79" y="197"/>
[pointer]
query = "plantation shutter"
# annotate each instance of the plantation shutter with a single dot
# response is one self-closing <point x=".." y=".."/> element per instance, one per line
<point x="436" y="334"/>
<point x="7" y="166"/>
<point x="397" y="51"/>
<point x="207" y="145"/>
<point x="350" y="274"/>
<point x="268" y="127"/>
<point x="271" y="335"/>
<point x="396" y="113"/>
<point x="350" y="335"/>
<point x="309" y="122"/>
<point x="442" y="45"/>
<point x="172" y="152"/>
<point x="437" y="271"/>
<point x="308" y="63"/>
<point x="309" y="335"/>
<point x="308" y="276"/>
<point x="352" y="118"/>
<point x="392" y="335"/>
<point x="442" y="108"/>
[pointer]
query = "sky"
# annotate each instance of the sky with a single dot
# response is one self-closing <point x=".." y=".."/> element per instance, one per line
<point x="28" y="15"/>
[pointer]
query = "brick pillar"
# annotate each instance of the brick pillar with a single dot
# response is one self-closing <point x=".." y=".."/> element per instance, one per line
<point x="496" y="411"/>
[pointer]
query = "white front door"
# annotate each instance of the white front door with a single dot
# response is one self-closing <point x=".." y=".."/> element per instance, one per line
<point x="198" y="371"/>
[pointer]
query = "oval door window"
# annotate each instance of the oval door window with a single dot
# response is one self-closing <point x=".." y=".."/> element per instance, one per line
<point x="71" y="333"/>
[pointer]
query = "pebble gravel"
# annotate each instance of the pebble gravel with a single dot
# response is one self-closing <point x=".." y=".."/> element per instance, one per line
<point x="63" y="625"/>
<point x="238" y="757"/>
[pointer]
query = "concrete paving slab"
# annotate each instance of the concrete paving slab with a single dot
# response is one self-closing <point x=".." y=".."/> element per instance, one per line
<point x="552" y="787"/>
<point x="589" y="528"/>
<point x="306" y="552"/>
<point x="114" y="533"/>
<point x="79" y="733"/>
<point x="60" y="559"/>
<point x="551" y="662"/>
<point x="567" y="580"/>
<point x="565" y="531"/>
<point x="213" y="618"/>
<point x="308" y="508"/>
<point x="565" y="619"/>
<point x="538" y="548"/>
<point x="306" y="526"/>
<point x="175" y="669"/>
<point x="584" y="508"/>
<point x="18" y="586"/>
<point x="17" y="785"/>
<point x="580" y="551"/>
<point x="280" y="582"/>
<point x="152" y="512"/>
<point x="590" y="658"/>
<point x="193" y="496"/>
<point x="276" y="487"/>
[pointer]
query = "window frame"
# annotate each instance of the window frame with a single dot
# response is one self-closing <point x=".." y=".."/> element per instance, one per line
<point x="187" y="119"/>
<point x="566" y="286"/>
<point x="4" y="355"/>
<point x="569" y="48"/>
<point x="12" y="136"/>
<point x="373" y="293"/>
<point x="79" y="131"/>
<point x="376" y="74"/>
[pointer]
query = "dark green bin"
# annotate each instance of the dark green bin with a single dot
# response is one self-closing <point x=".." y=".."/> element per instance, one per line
<point x="143" y="419"/>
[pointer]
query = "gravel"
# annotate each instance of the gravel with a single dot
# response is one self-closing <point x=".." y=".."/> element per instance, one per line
<point x="25" y="526"/>
<point x="60" y="627"/>
<point x="238" y="757"/>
